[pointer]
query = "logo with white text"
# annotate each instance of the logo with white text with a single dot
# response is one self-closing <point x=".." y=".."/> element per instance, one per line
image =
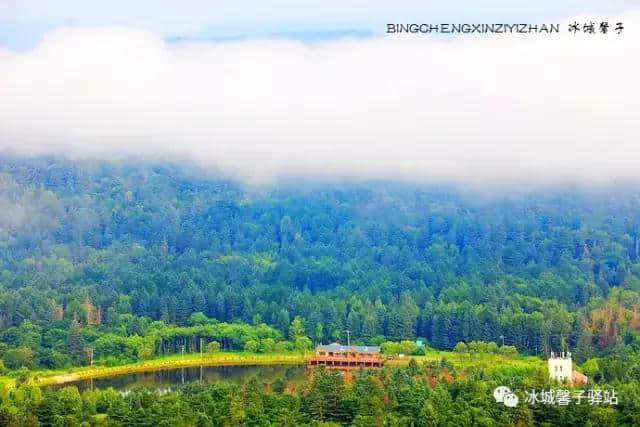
<point x="504" y="395"/>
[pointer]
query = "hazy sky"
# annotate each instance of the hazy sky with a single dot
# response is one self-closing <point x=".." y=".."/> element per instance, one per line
<point x="24" y="22"/>
<point x="76" y="77"/>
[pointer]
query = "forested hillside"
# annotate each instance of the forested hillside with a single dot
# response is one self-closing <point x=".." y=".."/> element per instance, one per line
<point x="94" y="251"/>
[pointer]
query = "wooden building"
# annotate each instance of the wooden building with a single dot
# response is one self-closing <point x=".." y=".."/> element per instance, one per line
<point x="347" y="356"/>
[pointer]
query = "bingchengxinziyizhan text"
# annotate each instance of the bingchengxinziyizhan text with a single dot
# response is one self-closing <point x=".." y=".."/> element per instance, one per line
<point x="587" y="28"/>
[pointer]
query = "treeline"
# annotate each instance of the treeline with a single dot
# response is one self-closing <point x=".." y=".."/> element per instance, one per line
<point x="138" y="338"/>
<point x="429" y="395"/>
<point x="83" y="244"/>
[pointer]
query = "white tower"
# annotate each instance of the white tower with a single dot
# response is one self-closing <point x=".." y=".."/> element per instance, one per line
<point x="560" y="367"/>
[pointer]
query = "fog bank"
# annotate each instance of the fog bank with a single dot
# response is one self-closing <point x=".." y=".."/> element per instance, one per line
<point x="502" y="107"/>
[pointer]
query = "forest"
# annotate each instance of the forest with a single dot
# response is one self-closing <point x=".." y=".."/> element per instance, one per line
<point x="122" y="260"/>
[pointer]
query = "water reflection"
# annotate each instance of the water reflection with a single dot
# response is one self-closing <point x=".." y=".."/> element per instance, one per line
<point x="163" y="380"/>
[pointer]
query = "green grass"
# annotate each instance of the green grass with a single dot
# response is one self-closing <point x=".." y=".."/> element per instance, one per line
<point x="483" y="361"/>
<point x="6" y="382"/>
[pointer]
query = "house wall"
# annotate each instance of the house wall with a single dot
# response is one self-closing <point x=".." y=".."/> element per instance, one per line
<point x="560" y="368"/>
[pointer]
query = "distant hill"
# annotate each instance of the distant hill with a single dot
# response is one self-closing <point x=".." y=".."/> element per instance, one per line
<point x="384" y="260"/>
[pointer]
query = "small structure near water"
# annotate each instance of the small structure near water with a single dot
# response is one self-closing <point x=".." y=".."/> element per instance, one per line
<point x="346" y="356"/>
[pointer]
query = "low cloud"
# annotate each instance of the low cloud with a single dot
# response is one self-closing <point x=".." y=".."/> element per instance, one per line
<point x="493" y="107"/>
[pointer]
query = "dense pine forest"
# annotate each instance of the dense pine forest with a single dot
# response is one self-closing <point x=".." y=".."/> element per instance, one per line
<point x="120" y="261"/>
<point x="137" y="259"/>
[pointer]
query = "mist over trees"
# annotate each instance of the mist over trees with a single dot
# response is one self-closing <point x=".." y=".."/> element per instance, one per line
<point x="92" y="251"/>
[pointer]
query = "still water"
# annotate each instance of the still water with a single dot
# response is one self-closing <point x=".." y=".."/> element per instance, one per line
<point x="171" y="378"/>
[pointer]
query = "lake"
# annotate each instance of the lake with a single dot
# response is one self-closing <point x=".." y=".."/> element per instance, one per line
<point x="170" y="378"/>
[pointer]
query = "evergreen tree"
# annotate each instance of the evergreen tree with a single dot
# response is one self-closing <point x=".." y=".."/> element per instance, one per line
<point x="75" y="342"/>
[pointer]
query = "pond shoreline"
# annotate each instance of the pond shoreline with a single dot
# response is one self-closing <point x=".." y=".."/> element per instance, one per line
<point x="228" y="359"/>
<point x="51" y="377"/>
